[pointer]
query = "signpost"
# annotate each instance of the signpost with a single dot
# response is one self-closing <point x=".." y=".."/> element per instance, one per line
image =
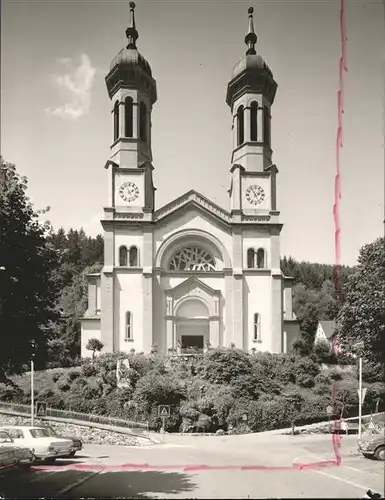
<point x="163" y="413"/>
<point x="41" y="409"/>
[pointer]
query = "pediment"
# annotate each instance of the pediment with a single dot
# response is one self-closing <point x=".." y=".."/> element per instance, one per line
<point x="193" y="287"/>
<point x="199" y="202"/>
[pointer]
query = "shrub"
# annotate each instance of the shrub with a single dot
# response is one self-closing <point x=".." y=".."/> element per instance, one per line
<point x="335" y="375"/>
<point x="322" y="378"/>
<point x="64" y="385"/>
<point x="322" y="351"/>
<point x="73" y="374"/>
<point x="56" y="376"/>
<point x="305" y="380"/>
<point x="222" y="366"/>
<point x="89" y="370"/>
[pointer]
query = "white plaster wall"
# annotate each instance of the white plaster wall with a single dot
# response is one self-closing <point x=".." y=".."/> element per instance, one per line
<point x="257" y="299"/>
<point x="128" y="238"/>
<point x="90" y="329"/>
<point x="129" y="297"/>
<point x="192" y="219"/>
<point x="256" y="240"/>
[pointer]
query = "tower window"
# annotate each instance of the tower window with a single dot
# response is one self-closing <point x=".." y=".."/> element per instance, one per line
<point x="261" y="258"/>
<point x="250" y="258"/>
<point x="266" y="125"/>
<point x="253" y="121"/>
<point x="257" y="328"/>
<point x="123" y="256"/>
<point x="128" y="117"/>
<point x="143" y="122"/>
<point x="240" y="126"/>
<point x="116" y="121"/>
<point x="128" y="326"/>
<point x="133" y="256"/>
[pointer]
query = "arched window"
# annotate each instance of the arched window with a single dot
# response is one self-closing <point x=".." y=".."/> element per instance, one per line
<point x="266" y="125"/>
<point x="257" y="327"/>
<point x="253" y="121"/>
<point x="250" y="258"/>
<point x="143" y="122"/>
<point x="133" y="256"/>
<point x="116" y="121"/>
<point x="240" y="126"/>
<point x="260" y="258"/>
<point x="192" y="259"/>
<point x="128" y="326"/>
<point x="128" y="117"/>
<point x="123" y="256"/>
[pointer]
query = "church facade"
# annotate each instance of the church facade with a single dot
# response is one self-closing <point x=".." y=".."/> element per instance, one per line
<point x="191" y="274"/>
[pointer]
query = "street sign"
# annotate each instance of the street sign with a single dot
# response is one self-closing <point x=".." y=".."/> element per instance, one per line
<point x="363" y="394"/>
<point x="164" y="411"/>
<point x="329" y="410"/>
<point x="41" y="409"/>
<point x="371" y="424"/>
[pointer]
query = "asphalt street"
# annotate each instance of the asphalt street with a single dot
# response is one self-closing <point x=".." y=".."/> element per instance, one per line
<point x="250" y="466"/>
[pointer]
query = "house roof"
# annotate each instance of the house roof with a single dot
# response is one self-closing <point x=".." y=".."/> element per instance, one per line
<point x="329" y="328"/>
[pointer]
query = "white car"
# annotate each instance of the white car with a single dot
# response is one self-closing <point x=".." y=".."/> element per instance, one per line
<point x="39" y="442"/>
<point x="23" y="454"/>
<point x="8" y="458"/>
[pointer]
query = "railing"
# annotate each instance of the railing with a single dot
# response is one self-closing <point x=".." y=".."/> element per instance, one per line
<point x="68" y="414"/>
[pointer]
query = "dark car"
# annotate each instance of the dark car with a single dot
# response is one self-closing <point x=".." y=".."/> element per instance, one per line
<point x="373" y="445"/>
<point x="77" y="444"/>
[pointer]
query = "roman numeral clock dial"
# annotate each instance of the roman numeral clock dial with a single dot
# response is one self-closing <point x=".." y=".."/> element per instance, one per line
<point x="129" y="192"/>
<point x="255" y="194"/>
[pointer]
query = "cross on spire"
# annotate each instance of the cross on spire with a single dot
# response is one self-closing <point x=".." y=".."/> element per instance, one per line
<point x="251" y="37"/>
<point x="131" y="32"/>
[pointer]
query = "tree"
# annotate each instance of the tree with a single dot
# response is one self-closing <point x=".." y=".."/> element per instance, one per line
<point x="94" y="345"/>
<point x="27" y="289"/>
<point x="362" y="316"/>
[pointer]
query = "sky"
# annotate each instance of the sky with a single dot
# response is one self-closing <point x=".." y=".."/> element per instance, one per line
<point x="56" y="121"/>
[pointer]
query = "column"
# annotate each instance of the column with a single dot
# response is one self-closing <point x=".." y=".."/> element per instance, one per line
<point x="228" y="333"/>
<point x="214" y="332"/>
<point x="147" y="312"/>
<point x="135" y="119"/>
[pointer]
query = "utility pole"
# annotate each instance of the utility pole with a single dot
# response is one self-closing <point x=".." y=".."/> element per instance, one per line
<point x="360" y="396"/>
<point x="32" y="393"/>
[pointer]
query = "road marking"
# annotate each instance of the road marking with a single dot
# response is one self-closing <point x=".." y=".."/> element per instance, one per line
<point x="347" y="481"/>
<point x="76" y="484"/>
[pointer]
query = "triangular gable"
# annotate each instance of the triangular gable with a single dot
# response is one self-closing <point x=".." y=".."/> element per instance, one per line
<point x="190" y="283"/>
<point x="195" y="199"/>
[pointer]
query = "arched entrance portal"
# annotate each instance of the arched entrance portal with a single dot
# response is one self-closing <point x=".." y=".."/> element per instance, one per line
<point x="192" y="325"/>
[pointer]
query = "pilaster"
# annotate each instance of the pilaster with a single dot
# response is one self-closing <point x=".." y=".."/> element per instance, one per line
<point x="107" y="316"/>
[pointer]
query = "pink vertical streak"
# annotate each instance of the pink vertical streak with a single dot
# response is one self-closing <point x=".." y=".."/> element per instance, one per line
<point x="337" y="197"/>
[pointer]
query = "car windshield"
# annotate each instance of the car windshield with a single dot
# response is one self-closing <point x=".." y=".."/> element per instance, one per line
<point x="39" y="433"/>
<point x="5" y="438"/>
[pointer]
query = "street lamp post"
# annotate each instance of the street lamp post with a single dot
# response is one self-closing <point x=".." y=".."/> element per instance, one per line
<point x="359" y="348"/>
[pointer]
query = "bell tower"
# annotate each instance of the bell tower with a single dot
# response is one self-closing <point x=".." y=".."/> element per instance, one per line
<point x="132" y="91"/>
<point x="250" y="95"/>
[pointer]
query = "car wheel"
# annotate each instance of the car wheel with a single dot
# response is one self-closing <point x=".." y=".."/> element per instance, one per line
<point x="379" y="453"/>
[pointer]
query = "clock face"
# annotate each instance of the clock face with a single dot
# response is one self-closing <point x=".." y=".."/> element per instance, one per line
<point x="255" y="194"/>
<point x="129" y="191"/>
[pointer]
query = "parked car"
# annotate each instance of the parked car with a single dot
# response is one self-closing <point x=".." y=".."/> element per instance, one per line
<point x="38" y="439"/>
<point x="24" y="455"/>
<point x="373" y="445"/>
<point x="8" y="458"/>
<point x="77" y="443"/>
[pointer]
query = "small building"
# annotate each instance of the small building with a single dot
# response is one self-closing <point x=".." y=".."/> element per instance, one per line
<point x="326" y="331"/>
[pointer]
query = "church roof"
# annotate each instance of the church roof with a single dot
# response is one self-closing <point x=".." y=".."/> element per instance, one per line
<point x="193" y="198"/>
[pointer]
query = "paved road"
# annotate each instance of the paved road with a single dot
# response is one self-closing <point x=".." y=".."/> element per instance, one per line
<point x="202" y="467"/>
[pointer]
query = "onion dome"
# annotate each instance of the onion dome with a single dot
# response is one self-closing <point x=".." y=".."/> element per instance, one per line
<point x="129" y="69"/>
<point x="251" y="73"/>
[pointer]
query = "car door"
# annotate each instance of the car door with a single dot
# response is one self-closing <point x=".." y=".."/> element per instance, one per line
<point x="17" y="436"/>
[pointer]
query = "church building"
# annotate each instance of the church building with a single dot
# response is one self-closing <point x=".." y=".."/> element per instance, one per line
<point x="190" y="275"/>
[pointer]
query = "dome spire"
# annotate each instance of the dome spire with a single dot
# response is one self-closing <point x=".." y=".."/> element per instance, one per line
<point x="131" y="32"/>
<point x="251" y="37"/>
